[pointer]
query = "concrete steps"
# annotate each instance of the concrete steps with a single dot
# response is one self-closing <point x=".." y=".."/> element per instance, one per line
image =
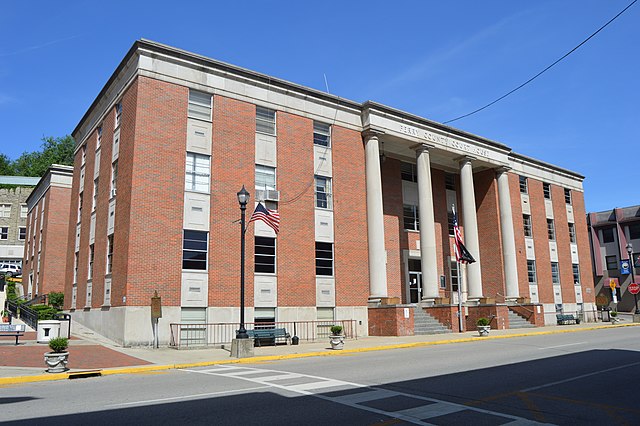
<point x="423" y="323"/>
<point x="516" y="321"/>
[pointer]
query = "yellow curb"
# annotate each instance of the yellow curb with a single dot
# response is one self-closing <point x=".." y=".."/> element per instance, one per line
<point x="257" y="359"/>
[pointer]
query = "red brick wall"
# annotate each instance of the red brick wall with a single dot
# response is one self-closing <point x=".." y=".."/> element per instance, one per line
<point x="390" y="321"/>
<point x="54" y="241"/>
<point x="445" y="315"/>
<point x="497" y="314"/>
<point x="489" y="234"/>
<point x="584" y="252"/>
<point x="71" y="239"/>
<point x="530" y="313"/>
<point x="296" y="240"/>
<point x="156" y="195"/>
<point x="232" y="165"/>
<point x="350" y="218"/>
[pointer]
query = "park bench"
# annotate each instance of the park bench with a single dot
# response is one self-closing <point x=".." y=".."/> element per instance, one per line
<point x="12" y="330"/>
<point x="269" y="336"/>
<point x="567" y="319"/>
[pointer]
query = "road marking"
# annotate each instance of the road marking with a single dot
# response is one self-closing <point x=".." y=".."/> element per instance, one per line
<point x="562" y="346"/>
<point x="582" y="376"/>
<point x="420" y="415"/>
<point x="174" y="398"/>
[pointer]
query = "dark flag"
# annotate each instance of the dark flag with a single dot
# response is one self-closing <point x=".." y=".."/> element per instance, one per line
<point x="270" y="217"/>
<point x="462" y="254"/>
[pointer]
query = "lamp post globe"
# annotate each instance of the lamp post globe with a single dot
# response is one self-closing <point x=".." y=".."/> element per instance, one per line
<point x="243" y="199"/>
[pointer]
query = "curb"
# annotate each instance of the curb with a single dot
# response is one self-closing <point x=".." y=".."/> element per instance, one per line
<point x="264" y="358"/>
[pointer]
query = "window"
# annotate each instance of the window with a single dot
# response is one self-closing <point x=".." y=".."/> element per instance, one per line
<point x="455" y="277"/>
<point x="118" y="114"/>
<point x="546" y="190"/>
<point x="450" y="226"/>
<point x="567" y="196"/>
<point x="23" y="211"/>
<point x="22" y="234"/>
<point x="411" y="217"/>
<point x="265" y="255"/>
<point x="607" y="235"/>
<point x="551" y="229"/>
<point x="324" y="259"/>
<point x="75" y="268"/>
<point x="91" y="254"/>
<point x="5" y="210"/>
<point x="4" y="233"/>
<point x="194" y="250"/>
<point x="576" y="273"/>
<point x="321" y="134"/>
<point x="199" y="105"/>
<point x="324" y="314"/>
<point x="450" y="181"/>
<point x="84" y="154"/>
<point x="323" y="192"/>
<point x="612" y="262"/>
<point x="79" y="207"/>
<point x="99" y="138"/>
<point x="528" y="228"/>
<point x="109" y="253"/>
<point x="114" y="178"/>
<point x="265" y="120"/>
<point x="265" y="178"/>
<point x="95" y="195"/>
<point x="572" y="233"/>
<point x="524" y="187"/>
<point x="531" y="272"/>
<point x="197" y="172"/>
<point x="408" y="172"/>
<point x="634" y="231"/>
<point x="555" y="273"/>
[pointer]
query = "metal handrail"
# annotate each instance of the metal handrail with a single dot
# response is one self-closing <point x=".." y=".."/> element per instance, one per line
<point x="26" y="314"/>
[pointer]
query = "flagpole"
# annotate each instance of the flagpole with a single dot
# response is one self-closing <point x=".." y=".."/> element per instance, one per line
<point x="459" y="298"/>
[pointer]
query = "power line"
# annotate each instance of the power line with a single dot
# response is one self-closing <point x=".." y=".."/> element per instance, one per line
<point x="544" y="70"/>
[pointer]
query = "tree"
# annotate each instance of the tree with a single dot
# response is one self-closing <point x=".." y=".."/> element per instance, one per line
<point x="6" y="168"/>
<point x="54" y="151"/>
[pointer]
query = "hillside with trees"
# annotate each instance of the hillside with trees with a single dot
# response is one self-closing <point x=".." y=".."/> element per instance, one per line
<point x="53" y="151"/>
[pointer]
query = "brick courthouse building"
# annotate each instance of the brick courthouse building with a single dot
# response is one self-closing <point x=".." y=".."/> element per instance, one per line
<point x="364" y="191"/>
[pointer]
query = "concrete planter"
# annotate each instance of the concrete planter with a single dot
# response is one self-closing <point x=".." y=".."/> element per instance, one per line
<point x="483" y="330"/>
<point x="47" y="330"/>
<point x="56" y="361"/>
<point x="337" y="342"/>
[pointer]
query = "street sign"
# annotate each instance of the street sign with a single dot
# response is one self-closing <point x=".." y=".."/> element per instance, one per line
<point x="612" y="284"/>
<point x="624" y="267"/>
<point x="634" y="288"/>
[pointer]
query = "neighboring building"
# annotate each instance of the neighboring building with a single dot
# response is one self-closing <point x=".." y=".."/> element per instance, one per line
<point x="611" y="234"/>
<point x="14" y="191"/>
<point x="47" y="227"/>
<point x="365" y="195"/>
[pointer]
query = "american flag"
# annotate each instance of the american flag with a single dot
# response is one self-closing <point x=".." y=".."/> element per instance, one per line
<point x="270" y="217"/>
<point x="462" y="254"/>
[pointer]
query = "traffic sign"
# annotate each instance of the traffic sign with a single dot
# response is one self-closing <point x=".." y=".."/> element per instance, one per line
<point x="634" y="288"/>
<point x="612" y="284"/>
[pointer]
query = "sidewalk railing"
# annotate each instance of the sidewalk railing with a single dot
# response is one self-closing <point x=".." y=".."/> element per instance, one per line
<point x="26" y="314"/>
<point x="186" y="335"/>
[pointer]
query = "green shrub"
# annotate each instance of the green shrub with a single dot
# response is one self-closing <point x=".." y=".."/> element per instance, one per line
<point x="336" y="330"/>
<point x="614" y="313"/>
<point x="482" y="322"/>
<point x="11" y="291"/>
<point x="45" y="312"/>
<point x="59" y="344"/>
<point x="56" y="299"/>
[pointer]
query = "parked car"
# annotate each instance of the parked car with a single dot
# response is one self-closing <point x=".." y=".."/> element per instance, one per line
<point x="10" y="270"/>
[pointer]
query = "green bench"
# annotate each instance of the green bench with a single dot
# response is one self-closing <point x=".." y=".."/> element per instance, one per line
<point x="269" y="336"/>
<point x="12" y="330"/>
<point x="567" y="319"/>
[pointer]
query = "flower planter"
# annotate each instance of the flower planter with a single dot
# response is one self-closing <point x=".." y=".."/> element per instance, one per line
<point x="337" y="342"/>
<point x="56" y="361"/>
<point x="483" y="330"/>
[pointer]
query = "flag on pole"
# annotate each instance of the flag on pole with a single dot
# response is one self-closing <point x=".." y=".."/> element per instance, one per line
<point x="462" y="254"/>
<point x="270" y="217"/>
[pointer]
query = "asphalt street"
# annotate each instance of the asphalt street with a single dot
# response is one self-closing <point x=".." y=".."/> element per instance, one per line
<point x="575" y="378"/>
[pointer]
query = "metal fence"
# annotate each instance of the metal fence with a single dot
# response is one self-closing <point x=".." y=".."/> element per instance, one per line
<point x="184" y="336"/>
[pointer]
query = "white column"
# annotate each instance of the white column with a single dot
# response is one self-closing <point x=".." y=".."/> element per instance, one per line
<point x="375" y="219"/>
<point x="428" y="257"/>
<point x="470" y="221"/>
<point x="508" y="236"/>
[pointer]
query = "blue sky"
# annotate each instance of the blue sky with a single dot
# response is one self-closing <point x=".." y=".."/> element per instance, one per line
<point x="431" y="58"/>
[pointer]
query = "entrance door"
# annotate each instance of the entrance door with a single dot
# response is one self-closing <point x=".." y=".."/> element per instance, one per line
<point x="415" y="281"/>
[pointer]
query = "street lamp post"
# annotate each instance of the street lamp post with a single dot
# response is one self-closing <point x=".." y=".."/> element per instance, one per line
<point x="243" y="199"/>
<point x="633" y="278"/>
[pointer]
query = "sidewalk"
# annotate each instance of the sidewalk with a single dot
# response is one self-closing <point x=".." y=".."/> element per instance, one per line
<point x="25" y="362"/>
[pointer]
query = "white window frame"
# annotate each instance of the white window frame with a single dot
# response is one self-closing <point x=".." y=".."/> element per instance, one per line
<point x="546" y="190"/>
<point x="576" y="273"/>
<point x="527" y="225"/>
<point x="118" y="118"/>
<point x="265" y="120"/>
<point x="92" y="253"/>
<point x="196" y="178"/>
<point x="262" y="242"/>
<point x="326" y="193"/>
<point x="531" y="272"/>
<point x="572" y="233"/>
<point x="98" y="137"/>
<point x="94" y="200"/>
<point x="5" y="210"/>
<point x="109" y="266"/>
<point x="555" y="273"/>
<point x="22" y="233"/>
<point x="267" y="172"/>
<point x="524" y="184"/>
<point x="415" y="214"/>
<point x="322" y="134"/>
<point x="568" y="197"/>
<point x="114" y="179"/>
<point x="200" y="105"/>
<point x="551" y="229"/>
<point x="4" y="233"/>
<point x="24" y="211"/>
